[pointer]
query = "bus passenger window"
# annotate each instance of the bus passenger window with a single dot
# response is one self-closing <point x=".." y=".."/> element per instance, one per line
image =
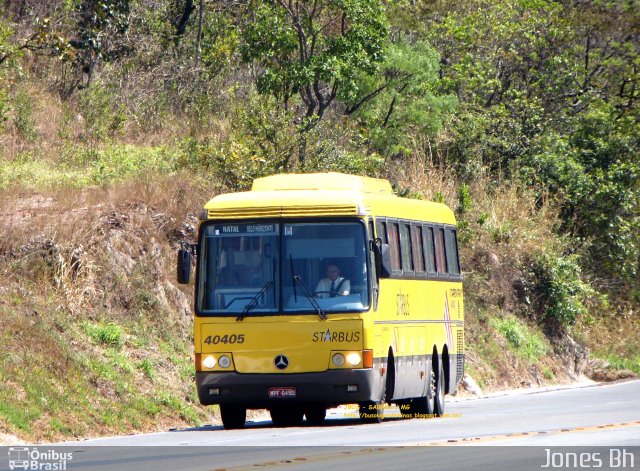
<point x="405" y="249"/>
<point x="382" y="231"/>
<point x="417" y="248"/>
<point x="394" y="247"/>
<point x="429" y="250"/>
<point x="453" y="266"/>
<point x="441" y="262"/>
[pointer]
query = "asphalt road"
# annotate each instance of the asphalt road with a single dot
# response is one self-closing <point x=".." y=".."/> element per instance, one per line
<point x="531" y="422"/>
<point x="603" y="414"/>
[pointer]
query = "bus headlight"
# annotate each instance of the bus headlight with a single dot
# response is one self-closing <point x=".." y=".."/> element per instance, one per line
<point x="338" y="359"/>
<point x="224" y="361"/>
<point x="354" y="358"/>
<point x="209" y="362"/>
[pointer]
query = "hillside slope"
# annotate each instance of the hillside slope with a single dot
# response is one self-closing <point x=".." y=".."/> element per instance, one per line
<point x="96" y="334"/>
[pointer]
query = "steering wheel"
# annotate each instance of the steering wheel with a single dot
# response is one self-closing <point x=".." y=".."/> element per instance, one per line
<point x="336" y="294"/>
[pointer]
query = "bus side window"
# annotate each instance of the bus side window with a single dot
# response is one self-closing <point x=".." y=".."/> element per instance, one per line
<point x="441" y="262"/>
<point x="451" y="244"/>
<point x="382" y="231"/>
<point x="405" y="249"/>
<point x="429" y="249"/>
<point x="394" y="246"/>
<point x="417" y="248"/>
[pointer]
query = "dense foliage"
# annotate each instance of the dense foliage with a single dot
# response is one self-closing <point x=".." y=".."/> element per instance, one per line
<point x="543" y="94"/>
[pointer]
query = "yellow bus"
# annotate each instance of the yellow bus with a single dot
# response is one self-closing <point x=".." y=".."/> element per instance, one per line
<point x="316" y="290"/>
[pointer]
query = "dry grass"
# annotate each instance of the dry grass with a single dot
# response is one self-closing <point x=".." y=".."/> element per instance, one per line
<point x="71" y="238"/>
<point x="500" y="228"/>
<point x="101" y="255"/>
<point x="98" y="256"/>
<point x="420" y="177"/>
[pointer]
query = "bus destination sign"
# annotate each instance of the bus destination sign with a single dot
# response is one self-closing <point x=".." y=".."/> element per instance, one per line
<point x="246" y="229"/>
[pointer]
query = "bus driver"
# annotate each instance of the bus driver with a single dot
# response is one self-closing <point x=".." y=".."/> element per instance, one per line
<point x="333" y="285"/>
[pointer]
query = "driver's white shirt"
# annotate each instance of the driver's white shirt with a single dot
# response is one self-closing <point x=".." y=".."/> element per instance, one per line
<point x="324" y="287"/>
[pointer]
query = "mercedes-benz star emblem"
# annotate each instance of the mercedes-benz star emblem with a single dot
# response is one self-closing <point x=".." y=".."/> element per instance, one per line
<point x="281" y="362"/>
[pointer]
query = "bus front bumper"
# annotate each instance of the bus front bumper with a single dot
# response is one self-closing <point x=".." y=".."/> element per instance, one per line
<point x="262" y="391"/>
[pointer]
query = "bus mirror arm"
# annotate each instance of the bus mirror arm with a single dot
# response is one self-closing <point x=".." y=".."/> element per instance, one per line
<point x="184" y="262"/>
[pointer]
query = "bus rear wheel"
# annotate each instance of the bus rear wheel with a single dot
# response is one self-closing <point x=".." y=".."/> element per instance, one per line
<point x="438" y="407"/>
<point x="233" y="416"/>
<point x="420" y="407"/>
<point x="286" y="416"/>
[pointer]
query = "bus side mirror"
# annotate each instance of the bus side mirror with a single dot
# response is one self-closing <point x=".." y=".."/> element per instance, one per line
<point x="382" y="256"/>
<point x="385" y="259"/>
<point x="184" y="266"/>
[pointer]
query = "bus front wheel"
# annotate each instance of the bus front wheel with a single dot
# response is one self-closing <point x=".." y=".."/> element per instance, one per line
<point x="371" y="412"/>
<point x="286" y="416"/>
<point x="315" y="415"/>
<point x="233" y="416"/>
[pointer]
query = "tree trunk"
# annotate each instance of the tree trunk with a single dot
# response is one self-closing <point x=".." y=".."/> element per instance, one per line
<point x="199" y="37"/>
<point x="302" y="149"/>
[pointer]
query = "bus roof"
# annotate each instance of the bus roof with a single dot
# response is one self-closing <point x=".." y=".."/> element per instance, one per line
<point x="322" y="181"/>
<point x="323" y="194"/>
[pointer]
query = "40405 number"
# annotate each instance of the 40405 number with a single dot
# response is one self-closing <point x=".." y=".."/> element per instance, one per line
<point x="216" y="339"/>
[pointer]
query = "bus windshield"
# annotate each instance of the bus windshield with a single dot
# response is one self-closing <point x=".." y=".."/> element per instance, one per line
<point x="266" y="268"/>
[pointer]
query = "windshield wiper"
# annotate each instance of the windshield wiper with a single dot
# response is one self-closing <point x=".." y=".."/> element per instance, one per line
<point x="293" y="276"/>
<point x="254" y="301"/>
<point x="310" y="297"/>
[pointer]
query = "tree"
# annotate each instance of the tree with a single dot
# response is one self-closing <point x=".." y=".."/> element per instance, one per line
<point x="313" y="49"/>
<point x="596" y="173"/>
<point x="40" y="40"/>
<point x="400" y="103"/>
<point x="549" y="93"/>
<point x="99" y="34"/>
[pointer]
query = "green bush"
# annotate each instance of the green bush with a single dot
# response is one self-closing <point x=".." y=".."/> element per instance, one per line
<point x="465" y="202"/>
<point x="527" y="344"/>
<point x="107" y="334"/>
<point x="438" y="197"/>
<point x="29" y="172"/>
<point x="629" y="363"/>
<point x="103" y="117"/>
<point x="146" y="366"/>
<point x="4" y="109"/>
<point x="261" y="141"/>
<point x="347" y="162"/>
<point x="23" y="116"/>
<point x="558" y="287"/>
<point x="118" y="162"/>
<point x="595" y="173"/>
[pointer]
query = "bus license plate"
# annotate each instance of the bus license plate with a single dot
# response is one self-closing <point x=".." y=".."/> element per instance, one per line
<point x="282" y="393"/>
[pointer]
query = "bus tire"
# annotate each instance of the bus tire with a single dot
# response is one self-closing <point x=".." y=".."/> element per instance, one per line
<point x="315" y="415"/>
<point x="371" y="412"/>
<point x="423" y="406"/>
<point x="438" y="406"/>
<point x="233" y="416"/>
<point x="390" y="383"/>
<point x="286" y="416"/>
